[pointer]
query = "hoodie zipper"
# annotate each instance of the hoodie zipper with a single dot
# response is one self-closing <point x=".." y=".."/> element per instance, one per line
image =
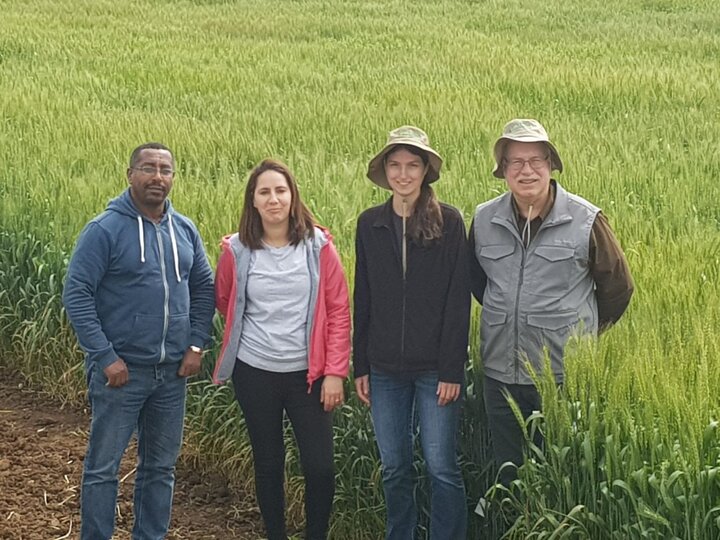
<point x="166" y="304"/>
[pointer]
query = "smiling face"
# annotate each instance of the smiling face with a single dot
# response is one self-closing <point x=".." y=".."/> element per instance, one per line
<point x="151" y="179"/>
<point x="405" y="173"/>
<point x="272" y="199"/>
<point x="526" y="168"/>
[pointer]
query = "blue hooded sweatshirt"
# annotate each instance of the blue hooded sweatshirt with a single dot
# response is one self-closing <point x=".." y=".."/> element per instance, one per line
<point x="138" y="290"/>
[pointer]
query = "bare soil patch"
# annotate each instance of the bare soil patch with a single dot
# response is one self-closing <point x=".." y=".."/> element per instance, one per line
<point x="42" y="446"/>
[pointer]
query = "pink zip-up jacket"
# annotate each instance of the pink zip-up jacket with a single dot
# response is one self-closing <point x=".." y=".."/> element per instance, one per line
<point x="329" y="323"/>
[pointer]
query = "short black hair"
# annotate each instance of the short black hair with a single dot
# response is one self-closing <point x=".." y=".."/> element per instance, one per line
<point x="135" y="156"/>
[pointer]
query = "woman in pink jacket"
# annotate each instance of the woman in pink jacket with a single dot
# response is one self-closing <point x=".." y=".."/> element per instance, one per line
<point x="282" y="291"/>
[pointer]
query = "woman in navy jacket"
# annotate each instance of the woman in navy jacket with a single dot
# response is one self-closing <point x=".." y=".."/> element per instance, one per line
<point x="412" y="308"/>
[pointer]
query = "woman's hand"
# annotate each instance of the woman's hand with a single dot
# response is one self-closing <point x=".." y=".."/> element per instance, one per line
<point x="362" y="388"/>
<point x="331" y="392"/>
<point x="447" y="392"/>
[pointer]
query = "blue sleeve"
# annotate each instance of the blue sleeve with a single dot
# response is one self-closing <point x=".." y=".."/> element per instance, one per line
<point x="202" y="296"/>
<point x="88" y="265"/>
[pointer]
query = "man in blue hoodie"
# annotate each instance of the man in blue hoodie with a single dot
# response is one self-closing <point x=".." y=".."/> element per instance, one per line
<point x="139" y="293"/>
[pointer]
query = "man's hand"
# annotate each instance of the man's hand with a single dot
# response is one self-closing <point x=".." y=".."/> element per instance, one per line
<point x="191" y="363"/>
<point x="447" y="392"/>
<point x="362" y="388"/>
<point x="116" y="373"/>
<point x="331" y="393"/>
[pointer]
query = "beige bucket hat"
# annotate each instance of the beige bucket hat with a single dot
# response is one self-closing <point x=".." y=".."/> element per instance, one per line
<point x="411" y="136"/>
<point x="524" y="130"/>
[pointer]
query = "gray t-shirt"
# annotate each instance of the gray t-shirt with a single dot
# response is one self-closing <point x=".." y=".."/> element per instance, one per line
<point x="274" y="335"/>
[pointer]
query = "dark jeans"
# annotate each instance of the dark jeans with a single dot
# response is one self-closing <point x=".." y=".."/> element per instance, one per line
<point x="263" y="396"/>
<point x="507" y="437"/>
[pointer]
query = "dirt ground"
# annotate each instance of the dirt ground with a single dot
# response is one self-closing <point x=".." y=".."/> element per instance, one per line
<point x="41" y="452"/>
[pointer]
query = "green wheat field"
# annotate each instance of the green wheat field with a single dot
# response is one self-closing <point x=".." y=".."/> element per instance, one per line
<point x="630" y="93"/>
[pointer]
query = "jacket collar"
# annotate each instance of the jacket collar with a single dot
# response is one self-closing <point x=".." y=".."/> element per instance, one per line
<point x="558" y="213"/>
<point x="385" y="216"/>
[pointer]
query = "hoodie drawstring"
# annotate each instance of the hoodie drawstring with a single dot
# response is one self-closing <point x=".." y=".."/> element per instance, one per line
<point x="141" y="234"/>
<point x="173" y="241"/>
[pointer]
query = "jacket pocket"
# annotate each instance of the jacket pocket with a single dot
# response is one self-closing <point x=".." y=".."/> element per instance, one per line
<point x="497" y="252"/>
<point x="552" y="331"/>
<point x="553" y="321"/>
<point x="550" y="269"/>
<point x="497" y="262"/>
<point x="177" y="339"/>
<point x="495" y="341"/>
<point x="143" y="342"/>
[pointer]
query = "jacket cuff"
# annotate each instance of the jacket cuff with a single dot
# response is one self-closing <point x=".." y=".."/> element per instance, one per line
<point x="200" y="340"/>
<point x="360" y="369"/>
<point x="105" y="358"/>
<point x="337" y="372"/>
<point x="452" y="377"/>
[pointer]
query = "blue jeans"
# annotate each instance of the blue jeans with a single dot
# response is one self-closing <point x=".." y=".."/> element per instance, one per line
<point x="153" y="402"/>
<point x="395" y="404"/>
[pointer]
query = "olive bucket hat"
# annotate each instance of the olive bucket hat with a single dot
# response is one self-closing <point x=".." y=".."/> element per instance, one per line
<point x="524" y="130"/>
<point x="411" y="136"/>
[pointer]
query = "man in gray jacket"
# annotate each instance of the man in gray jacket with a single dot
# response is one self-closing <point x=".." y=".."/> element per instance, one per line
<point x="545" y="265"/>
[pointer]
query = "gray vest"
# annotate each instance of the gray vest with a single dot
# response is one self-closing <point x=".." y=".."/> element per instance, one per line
<point x="536" y="297"/>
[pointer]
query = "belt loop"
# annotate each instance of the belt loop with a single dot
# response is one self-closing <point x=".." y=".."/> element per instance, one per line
<point x="158" y="373"/>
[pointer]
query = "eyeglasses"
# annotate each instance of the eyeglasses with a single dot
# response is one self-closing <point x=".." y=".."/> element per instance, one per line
<point x="150" y="171"/>
<point x="517" y="165"/>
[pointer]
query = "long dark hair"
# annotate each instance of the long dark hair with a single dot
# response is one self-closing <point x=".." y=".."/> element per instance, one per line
<point x="301" y="223"/>
<point x="425" y="225"/>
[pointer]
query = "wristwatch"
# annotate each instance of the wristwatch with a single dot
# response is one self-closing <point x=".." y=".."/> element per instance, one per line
<point x="196" y="349"/>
